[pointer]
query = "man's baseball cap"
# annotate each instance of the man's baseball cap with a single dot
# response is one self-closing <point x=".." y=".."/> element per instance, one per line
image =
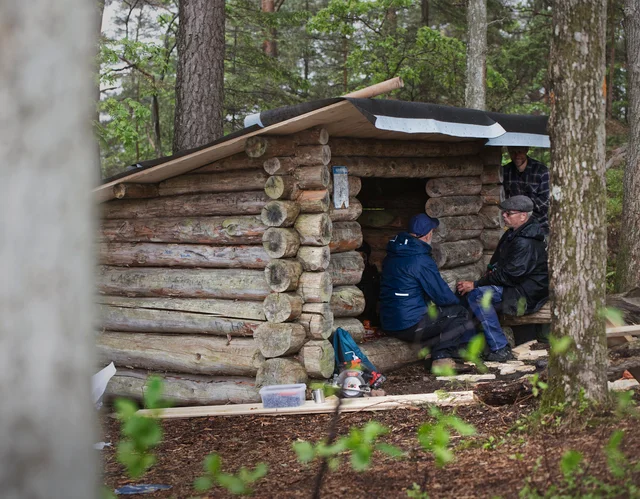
<point x="422" y="224"/>
<point x="517" y="203"/>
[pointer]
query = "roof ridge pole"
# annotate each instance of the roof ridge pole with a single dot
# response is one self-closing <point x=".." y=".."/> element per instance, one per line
<point x="383" y="87"/>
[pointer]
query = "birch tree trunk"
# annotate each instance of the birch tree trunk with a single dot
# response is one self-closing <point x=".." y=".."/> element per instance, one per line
<point x="46" y="349"/>
<point x="578" y="250"/>
<point x="474" y="92"/>
<point x="628" y="265"/>
<point x="200" y="74"/>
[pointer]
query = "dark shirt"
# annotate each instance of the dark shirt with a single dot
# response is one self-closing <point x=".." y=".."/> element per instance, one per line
<point x="533" y="182"/>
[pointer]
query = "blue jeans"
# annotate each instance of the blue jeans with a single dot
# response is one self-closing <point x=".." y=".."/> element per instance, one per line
<point x="487" y="316"/>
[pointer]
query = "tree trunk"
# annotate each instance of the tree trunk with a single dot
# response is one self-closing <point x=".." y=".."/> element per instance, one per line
<point x="314" y="230"/>
<point x="232" y="203"/>
<point x="135" y="191"/>
<point x="346" y="268"/>
<point x="49" y="167"/>
<point x="315" y="287"/>
<point x="401" y="148"/>
<point x="318" y="358"/>
<point x="281" y="243"/>
<point x="236" y="181"/>
<point x="410" y="167"/>
<point x="628" y="264"/>
<point x="283" y="275"/>
<point x="352" y="325"/>
<point x="349" y="214"/>
<point x="280" y="213"/>
<point x="474" y="92"/>
<point x="186" y="389"/>
<point x="269" y="45"/>
<point x="200" y="74"/>
<point x="346" y="236"/>
<point x="612" y="57"/>
<point x="453" y="186"/>
<point x="181" y="353"/>
<point x="203" y="230"/>
<point x="282" y="307"/>
<point x="232" y="284"/>
<point x="577" y="249"/>
<point x="452" y="206"/>
<point x="281" y="371"/>
<point x="276" y="340"/>
<point x="389" y="354"/>
<point x="457" y="253"/>
<point x="182" y="255"/>
<point x="347" y="301"/>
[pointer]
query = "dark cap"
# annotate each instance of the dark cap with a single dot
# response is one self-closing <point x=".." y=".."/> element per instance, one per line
<point x="518" y="148"/>
<point x="517" y="203"/>
<point x="422" y="224"/>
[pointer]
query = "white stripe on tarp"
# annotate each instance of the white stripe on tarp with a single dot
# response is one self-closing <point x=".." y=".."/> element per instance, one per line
<point x="521" y="139"/>
<point x="421" y="125"/>
<point x="253" y="119"/>
<point x="401" y="294"/>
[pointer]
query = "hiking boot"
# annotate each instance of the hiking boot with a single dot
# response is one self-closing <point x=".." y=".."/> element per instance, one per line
<point x="502" y="355"/>
<point x="439" y="365"/>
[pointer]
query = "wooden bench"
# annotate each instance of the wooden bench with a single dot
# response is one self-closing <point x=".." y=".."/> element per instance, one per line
<point x="542" y="316"/>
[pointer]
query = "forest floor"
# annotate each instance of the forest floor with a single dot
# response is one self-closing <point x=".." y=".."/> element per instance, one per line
<point x="515" y="446"/>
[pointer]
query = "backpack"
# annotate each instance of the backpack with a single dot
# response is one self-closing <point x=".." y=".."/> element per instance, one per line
<point x="349" y="356"/>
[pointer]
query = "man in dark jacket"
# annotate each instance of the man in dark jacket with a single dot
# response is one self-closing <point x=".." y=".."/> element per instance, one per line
<point x="528" y="177"/>
<point x="410" y="279"/>
<point x="519" y="280"/>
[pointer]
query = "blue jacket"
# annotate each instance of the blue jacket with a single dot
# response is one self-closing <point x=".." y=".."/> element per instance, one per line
<point x="410" y="279"/>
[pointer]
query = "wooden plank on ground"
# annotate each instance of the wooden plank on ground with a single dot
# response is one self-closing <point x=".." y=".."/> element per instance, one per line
<point x="385" y="403"/>
<point x="616" y="332"/>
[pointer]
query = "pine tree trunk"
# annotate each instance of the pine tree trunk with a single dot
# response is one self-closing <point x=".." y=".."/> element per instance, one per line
<point x="578" y="250"/>
<point x="47" y="353"/>
<point x="474" y="93"/>
<point x="628" y="265"/>
<point x="200" y="74"/>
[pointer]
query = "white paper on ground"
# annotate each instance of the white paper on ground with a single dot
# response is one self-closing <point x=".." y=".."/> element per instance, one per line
<point x="99" y="383"/>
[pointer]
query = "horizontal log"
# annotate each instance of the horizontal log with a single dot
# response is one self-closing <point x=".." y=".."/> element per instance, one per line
<point x="147" y="320"/>
<point x="281" y="371"/>
<point x="281" y="187"/>
<point x="277" y="340"/>
<point x="491" y="217"/>
<point x="236" y="162"/>
<point x="236" y="181"/>
<point x="185" y="389"/>
<point x="458" y="228"/>
<point x="486" y="257"/>
<point x="411" y="167"/>
<point x="349" y="214"/>
<point x="455" y="254"/>
<point x="492" y="194"/>
<point x="260" y="146"/>
<point x="203" y="230"/>
<point x="471" y="272"/>
<point x="233" y="284"/>
<point x="312" y="177"/>
<point x="230" y="203"/>
<point x="280" y="213"/>
<point x="347" y="301"/>
<point x="280" y="166"/>
<point x="181" y="353"/>
<point x="346" y="236"/>
<point x="135" y="191"/>
<point x="491" y="156"/>
<point x="283" y="275"/>
<point x="314" y="229"/>
<point x="317" y="320"/>
<point x="313" y="155"/>
<point x="389" y="354"/>
<point x="352" y="325"/>
<point x="318" y="358"/>
<point x="490" y="238"/>
<point x="182" y="255"/>
<point x="397" y="220"/>
<point x="210" y="307"/>
<point x="314" y="258"/>
<point x="379" y="238"/>
<point x="282" y="307"/>
<point x="313" y="201"/>
<point x="453" y="206"/>
<point x="401" y="148"/>
<point x="346" y="268"/>
<point x="312" y="136"/>
<point x="355" y="185"/>
<point x="315" y="287"/>
<point x="280" y="242"/>
<point x="453" y="186"/>
<point x="492" y="174"/>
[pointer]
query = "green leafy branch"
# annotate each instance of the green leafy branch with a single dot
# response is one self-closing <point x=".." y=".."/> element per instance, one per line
<point x="239" y="484"/>
<point x="435" y="437"/>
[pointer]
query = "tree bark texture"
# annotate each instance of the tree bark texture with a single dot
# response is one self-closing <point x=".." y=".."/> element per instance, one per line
<point x="186" y="389"/>
<point x="346" y="236"/>
<point x="315" y="287"/>
<point x="401" y="148"/>
<point x="232" y="284"/>
<point x="191" y="205"/>
<point x="282" y="307"/>
<point x="239" y="161"/>
<point x="318" y="358"/>
<point x="352" y="325"/>
<point x="283" y="274"/>
<point x="389" y="354"/>
<point x="200" y="74"/>
<point x="280" y="213"/>
<point x="181" y="353"/>
<point x="465" y="273"/>
<point x="347" y="301"/>
<point x="457" y="228"/>
<point x="199" y="230"/>
<point x="492" y="174"/>
<point x="452" y="206"/>
<point x="453" y="186"/>
<point x="133" y="191"/>
<point x="628" y="264"/>
<point x="277" y="340"/>
<point x="577" y="249"/>
<point x="317" y="320"/>
<point x="346" y="268"/>
<point x="281" y="187"/>
<point x="455" y="254"/>
<point x="49" y="168"/>
<point x="349" y="214"/>
<point x="314" y="258"/>
<point x="281" y="371"/>
<point x="182" y="255"/>
<point x="491" y="217"/>
<point x="474" y="92"/>
<point x="314" y="230"/>
<point x="411" y="167"/>
<point x="314" y="201"/>
<point x="237" y="181"/>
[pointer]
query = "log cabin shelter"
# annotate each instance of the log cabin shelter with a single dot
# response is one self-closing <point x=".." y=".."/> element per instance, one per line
<point x="228" y="267"/>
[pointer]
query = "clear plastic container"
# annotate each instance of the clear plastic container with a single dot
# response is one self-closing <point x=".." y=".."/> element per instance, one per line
<point x="276" y="396"/>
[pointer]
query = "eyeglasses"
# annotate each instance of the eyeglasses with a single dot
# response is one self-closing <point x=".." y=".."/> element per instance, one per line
<point x="510" y="213"/>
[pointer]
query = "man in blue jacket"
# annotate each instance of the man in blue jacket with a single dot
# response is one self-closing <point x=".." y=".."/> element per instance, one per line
<point x="416" y="305"/>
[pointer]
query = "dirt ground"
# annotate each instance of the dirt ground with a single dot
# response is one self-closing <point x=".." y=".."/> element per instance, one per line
<point x="494" y="463"/>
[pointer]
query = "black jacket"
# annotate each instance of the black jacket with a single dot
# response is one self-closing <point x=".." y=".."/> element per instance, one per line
<point x="520" y="262"/>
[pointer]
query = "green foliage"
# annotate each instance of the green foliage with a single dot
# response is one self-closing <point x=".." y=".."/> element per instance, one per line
<point x="238" y="484"/>
<point x="560" y="346"/>
<point x="493" y="443"/>
<point x="473" y="352"/>
<point x="485" y="301"/>
<point x="435" y="436"/>
<point x="416" y="492"/>
<point x="360" y="443"/>
<point x="140" y="434"/>
<point x="613" y="315"/>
